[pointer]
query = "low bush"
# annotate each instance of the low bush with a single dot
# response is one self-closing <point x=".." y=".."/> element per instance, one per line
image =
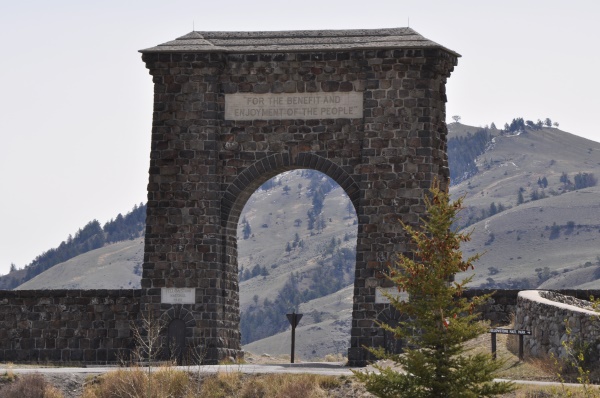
<point x="30" y="386"/>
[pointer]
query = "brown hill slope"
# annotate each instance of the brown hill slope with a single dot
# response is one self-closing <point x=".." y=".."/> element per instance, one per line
<point x="116" y="266"/>
<point x="518" y="161"/>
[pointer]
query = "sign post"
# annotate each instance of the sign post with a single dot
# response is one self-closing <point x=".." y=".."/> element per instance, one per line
<point x="294" y="320"/>
<point x="521" y="333"/>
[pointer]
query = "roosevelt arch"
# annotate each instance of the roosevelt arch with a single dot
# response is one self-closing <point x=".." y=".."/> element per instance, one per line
<point x="365" y="107"/>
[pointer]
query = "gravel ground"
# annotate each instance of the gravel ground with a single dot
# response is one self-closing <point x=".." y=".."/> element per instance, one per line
<point x="71" y="384"/>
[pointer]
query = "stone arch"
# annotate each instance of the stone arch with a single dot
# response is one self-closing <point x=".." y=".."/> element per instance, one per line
<point x="232" y="109"/>
<point x="178" y="339"/>
<point x="179" y="312"/>
<point x="247" y="182"/>
<point x="392" y="317"/>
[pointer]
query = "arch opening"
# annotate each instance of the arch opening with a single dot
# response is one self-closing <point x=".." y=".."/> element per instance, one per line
<point x="296" y="251"/>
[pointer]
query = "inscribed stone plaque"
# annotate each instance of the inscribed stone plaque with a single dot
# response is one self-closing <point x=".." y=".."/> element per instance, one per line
<point x="178" y="295"/>
<point x="381" y="299"/>
<point x="248" y="106"/>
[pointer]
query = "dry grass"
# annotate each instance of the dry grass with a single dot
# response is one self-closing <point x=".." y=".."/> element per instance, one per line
<point x="8" y="375"/>
<point x="168" y="382"/>
<point x="164" y="382"/>
<point x="288" y="385"/>
<point x="513" y="368"/>
<point x="269" y="386"/>
<point x="334" y="358"/>
<point x="549" y="392"/>
<point x="29" y="386"/>
<point x="531" y="369"/>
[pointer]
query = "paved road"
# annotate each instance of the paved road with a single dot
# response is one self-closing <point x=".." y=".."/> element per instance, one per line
<point x="328" y="368"/>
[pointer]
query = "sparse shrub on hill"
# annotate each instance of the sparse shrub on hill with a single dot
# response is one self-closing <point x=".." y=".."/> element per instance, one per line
<point x="554" y="231"/>
<point x="520" y="198"/>
<point x="585" y="180"/>
<point x="244" y="273"/>
<point x="582" y="180"/>
<point x="544" y="274"/>
<point x="537" y="195"/>
<point x="246" y="229"/>
<point x="517" y="124"/>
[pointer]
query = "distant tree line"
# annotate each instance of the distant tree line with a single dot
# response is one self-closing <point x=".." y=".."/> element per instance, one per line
<point x="126" y="227"/>
<point x="320" y="185"/>
<point x="246" y="273"/>
<point x="462" y="152"/>
<point x="91" y="236"/>
<point x="519" y="124"/>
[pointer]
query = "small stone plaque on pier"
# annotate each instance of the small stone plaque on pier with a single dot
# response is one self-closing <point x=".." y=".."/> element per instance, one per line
<point x="178" y="295"/>
<point x="380" y="298"/>
<point x="304" y="106"/>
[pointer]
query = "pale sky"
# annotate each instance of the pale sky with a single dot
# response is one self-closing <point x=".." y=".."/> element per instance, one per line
<point x="76" y="99"/>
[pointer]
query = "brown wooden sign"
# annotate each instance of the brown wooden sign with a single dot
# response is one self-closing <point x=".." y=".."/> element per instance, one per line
<point x="510" y="331"/>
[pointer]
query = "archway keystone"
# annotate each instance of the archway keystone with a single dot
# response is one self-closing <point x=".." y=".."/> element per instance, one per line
<point x="232" y="109"/>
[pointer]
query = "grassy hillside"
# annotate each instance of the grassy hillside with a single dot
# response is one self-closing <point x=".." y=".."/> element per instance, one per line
<point x="116" y="266"/>
<point x="91" y="236"/>
<point x="554" y="227"/>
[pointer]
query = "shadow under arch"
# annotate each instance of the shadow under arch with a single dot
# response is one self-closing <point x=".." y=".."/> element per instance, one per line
<point x="177" y="343"/>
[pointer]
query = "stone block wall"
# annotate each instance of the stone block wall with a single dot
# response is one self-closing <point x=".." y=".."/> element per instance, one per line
<point x="78" y="326"/>
<point x="501" y="307"/>
<point x="94" y="326"/>
<point x="544" y="314"/>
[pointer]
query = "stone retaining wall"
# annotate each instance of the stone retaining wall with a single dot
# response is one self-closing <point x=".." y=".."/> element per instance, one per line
<point x="544" y="314"/>
<point x="94" y="326"/>
<point x="82" y="326"/>
<point x="499" y="310"/>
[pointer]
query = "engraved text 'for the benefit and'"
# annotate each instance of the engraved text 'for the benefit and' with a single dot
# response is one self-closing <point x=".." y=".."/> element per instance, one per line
<point x="247" y="106"/>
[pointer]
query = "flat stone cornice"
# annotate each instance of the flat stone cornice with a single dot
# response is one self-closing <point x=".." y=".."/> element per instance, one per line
<point x="298" y="41"/>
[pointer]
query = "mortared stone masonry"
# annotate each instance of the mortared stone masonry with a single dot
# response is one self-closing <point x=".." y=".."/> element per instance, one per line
<point x="385" y="151"/>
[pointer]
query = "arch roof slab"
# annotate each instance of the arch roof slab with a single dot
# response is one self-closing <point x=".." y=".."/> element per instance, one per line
<point x="298" y="41"/>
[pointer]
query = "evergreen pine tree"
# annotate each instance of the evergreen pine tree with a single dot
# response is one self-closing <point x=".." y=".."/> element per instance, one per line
<point x="247" y="230"/>
<point x="436" y="363"/>
<point x="520" y="198"/>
